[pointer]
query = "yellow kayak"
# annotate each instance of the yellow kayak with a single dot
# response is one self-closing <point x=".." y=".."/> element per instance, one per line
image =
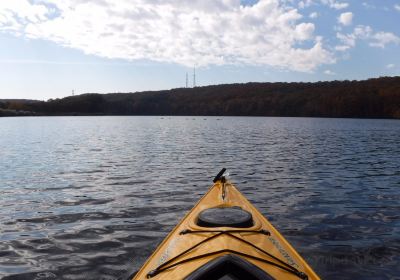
<point x="224" y="237"/>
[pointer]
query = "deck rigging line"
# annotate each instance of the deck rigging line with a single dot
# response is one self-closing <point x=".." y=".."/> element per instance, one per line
<point x="282" y="265"/>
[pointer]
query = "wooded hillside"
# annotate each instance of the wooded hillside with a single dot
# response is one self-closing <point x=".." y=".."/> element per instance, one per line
<point x="374" y="98"/>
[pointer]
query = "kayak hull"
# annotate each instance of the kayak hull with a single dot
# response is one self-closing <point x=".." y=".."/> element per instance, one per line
<point x="189" y="246"/>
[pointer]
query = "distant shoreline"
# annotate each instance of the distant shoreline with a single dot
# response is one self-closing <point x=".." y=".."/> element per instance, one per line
<point x="187" y="116"/>
<point x="373" y="99"/>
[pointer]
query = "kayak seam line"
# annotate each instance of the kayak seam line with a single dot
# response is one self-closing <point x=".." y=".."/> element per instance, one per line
<point x="299" y="274"/>
<point x="165" y="265"/>
<point x="229" y="232"/>
<point x="186" y="251"/>
<point x="265" y="252"/>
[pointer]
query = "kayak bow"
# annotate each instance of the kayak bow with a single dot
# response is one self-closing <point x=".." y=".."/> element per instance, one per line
<point x="224" y="237"/>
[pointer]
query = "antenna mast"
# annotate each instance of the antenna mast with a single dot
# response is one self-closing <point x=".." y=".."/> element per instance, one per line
<point x="194" y="76"/>
<point x="187" y="80"/>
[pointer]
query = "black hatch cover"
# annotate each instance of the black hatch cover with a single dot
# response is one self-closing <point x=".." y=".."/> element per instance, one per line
<point x="225" y="217"/>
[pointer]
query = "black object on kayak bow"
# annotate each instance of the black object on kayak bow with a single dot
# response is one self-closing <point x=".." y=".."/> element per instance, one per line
<point x="219" y="175"/>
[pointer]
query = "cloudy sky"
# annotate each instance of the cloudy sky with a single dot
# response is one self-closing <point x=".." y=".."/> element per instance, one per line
<point x="50" y="47"/>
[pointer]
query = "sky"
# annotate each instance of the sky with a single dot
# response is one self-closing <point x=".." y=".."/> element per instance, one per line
<point x="53" y="48"/>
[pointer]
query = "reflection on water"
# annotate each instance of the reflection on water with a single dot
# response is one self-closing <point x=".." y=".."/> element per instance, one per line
<point x="91" y="197"/>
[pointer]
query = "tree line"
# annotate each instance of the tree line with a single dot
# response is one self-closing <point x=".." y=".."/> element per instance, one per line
<point x="373" y="98"/>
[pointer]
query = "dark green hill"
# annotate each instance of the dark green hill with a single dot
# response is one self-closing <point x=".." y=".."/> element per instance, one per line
<point x="374" y="98"/>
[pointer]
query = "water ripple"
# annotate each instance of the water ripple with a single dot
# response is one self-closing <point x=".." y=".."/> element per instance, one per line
<point x="91" y="197"/>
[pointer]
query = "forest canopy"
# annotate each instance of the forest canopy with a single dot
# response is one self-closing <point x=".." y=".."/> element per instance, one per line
<point x="373" y="98"/>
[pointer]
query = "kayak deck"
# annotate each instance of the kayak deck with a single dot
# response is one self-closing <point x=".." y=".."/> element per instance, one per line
<point x="197" y="246"/>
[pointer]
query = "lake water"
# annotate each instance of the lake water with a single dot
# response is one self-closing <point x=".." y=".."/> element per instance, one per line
<point x="91" y="197"/>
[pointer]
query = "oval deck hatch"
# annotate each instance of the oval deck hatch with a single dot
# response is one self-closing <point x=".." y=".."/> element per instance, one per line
<point x="225" y="217"/>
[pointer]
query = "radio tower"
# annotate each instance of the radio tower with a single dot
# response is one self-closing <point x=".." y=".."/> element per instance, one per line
<point x="194" y="76"/>
<point x="187" y="80"/>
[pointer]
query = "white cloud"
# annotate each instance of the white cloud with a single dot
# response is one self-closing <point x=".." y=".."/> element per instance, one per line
<point x="335" y="4"/>
<point x="381" y="39"/>
<point x="305" y="3"/>
<point x="368" y="5"/>
<point x="329" y="72"/>
<point x="26" y="11"/>
<point x="390" y="66"/>
<point x="397" y="7"/>
<point x="314" y="15"/>
<point x="304" y="31"/>
<point x="363" y="32"/>
<point x="346" y="18"/>
<point x="375" y="39"/>
<point x="342" y="48"/>
<point x="174" y="31"/>
<point x="348" y="41"/>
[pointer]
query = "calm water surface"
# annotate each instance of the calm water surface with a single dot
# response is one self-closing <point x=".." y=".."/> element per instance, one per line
<point x="91" y="197"/>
